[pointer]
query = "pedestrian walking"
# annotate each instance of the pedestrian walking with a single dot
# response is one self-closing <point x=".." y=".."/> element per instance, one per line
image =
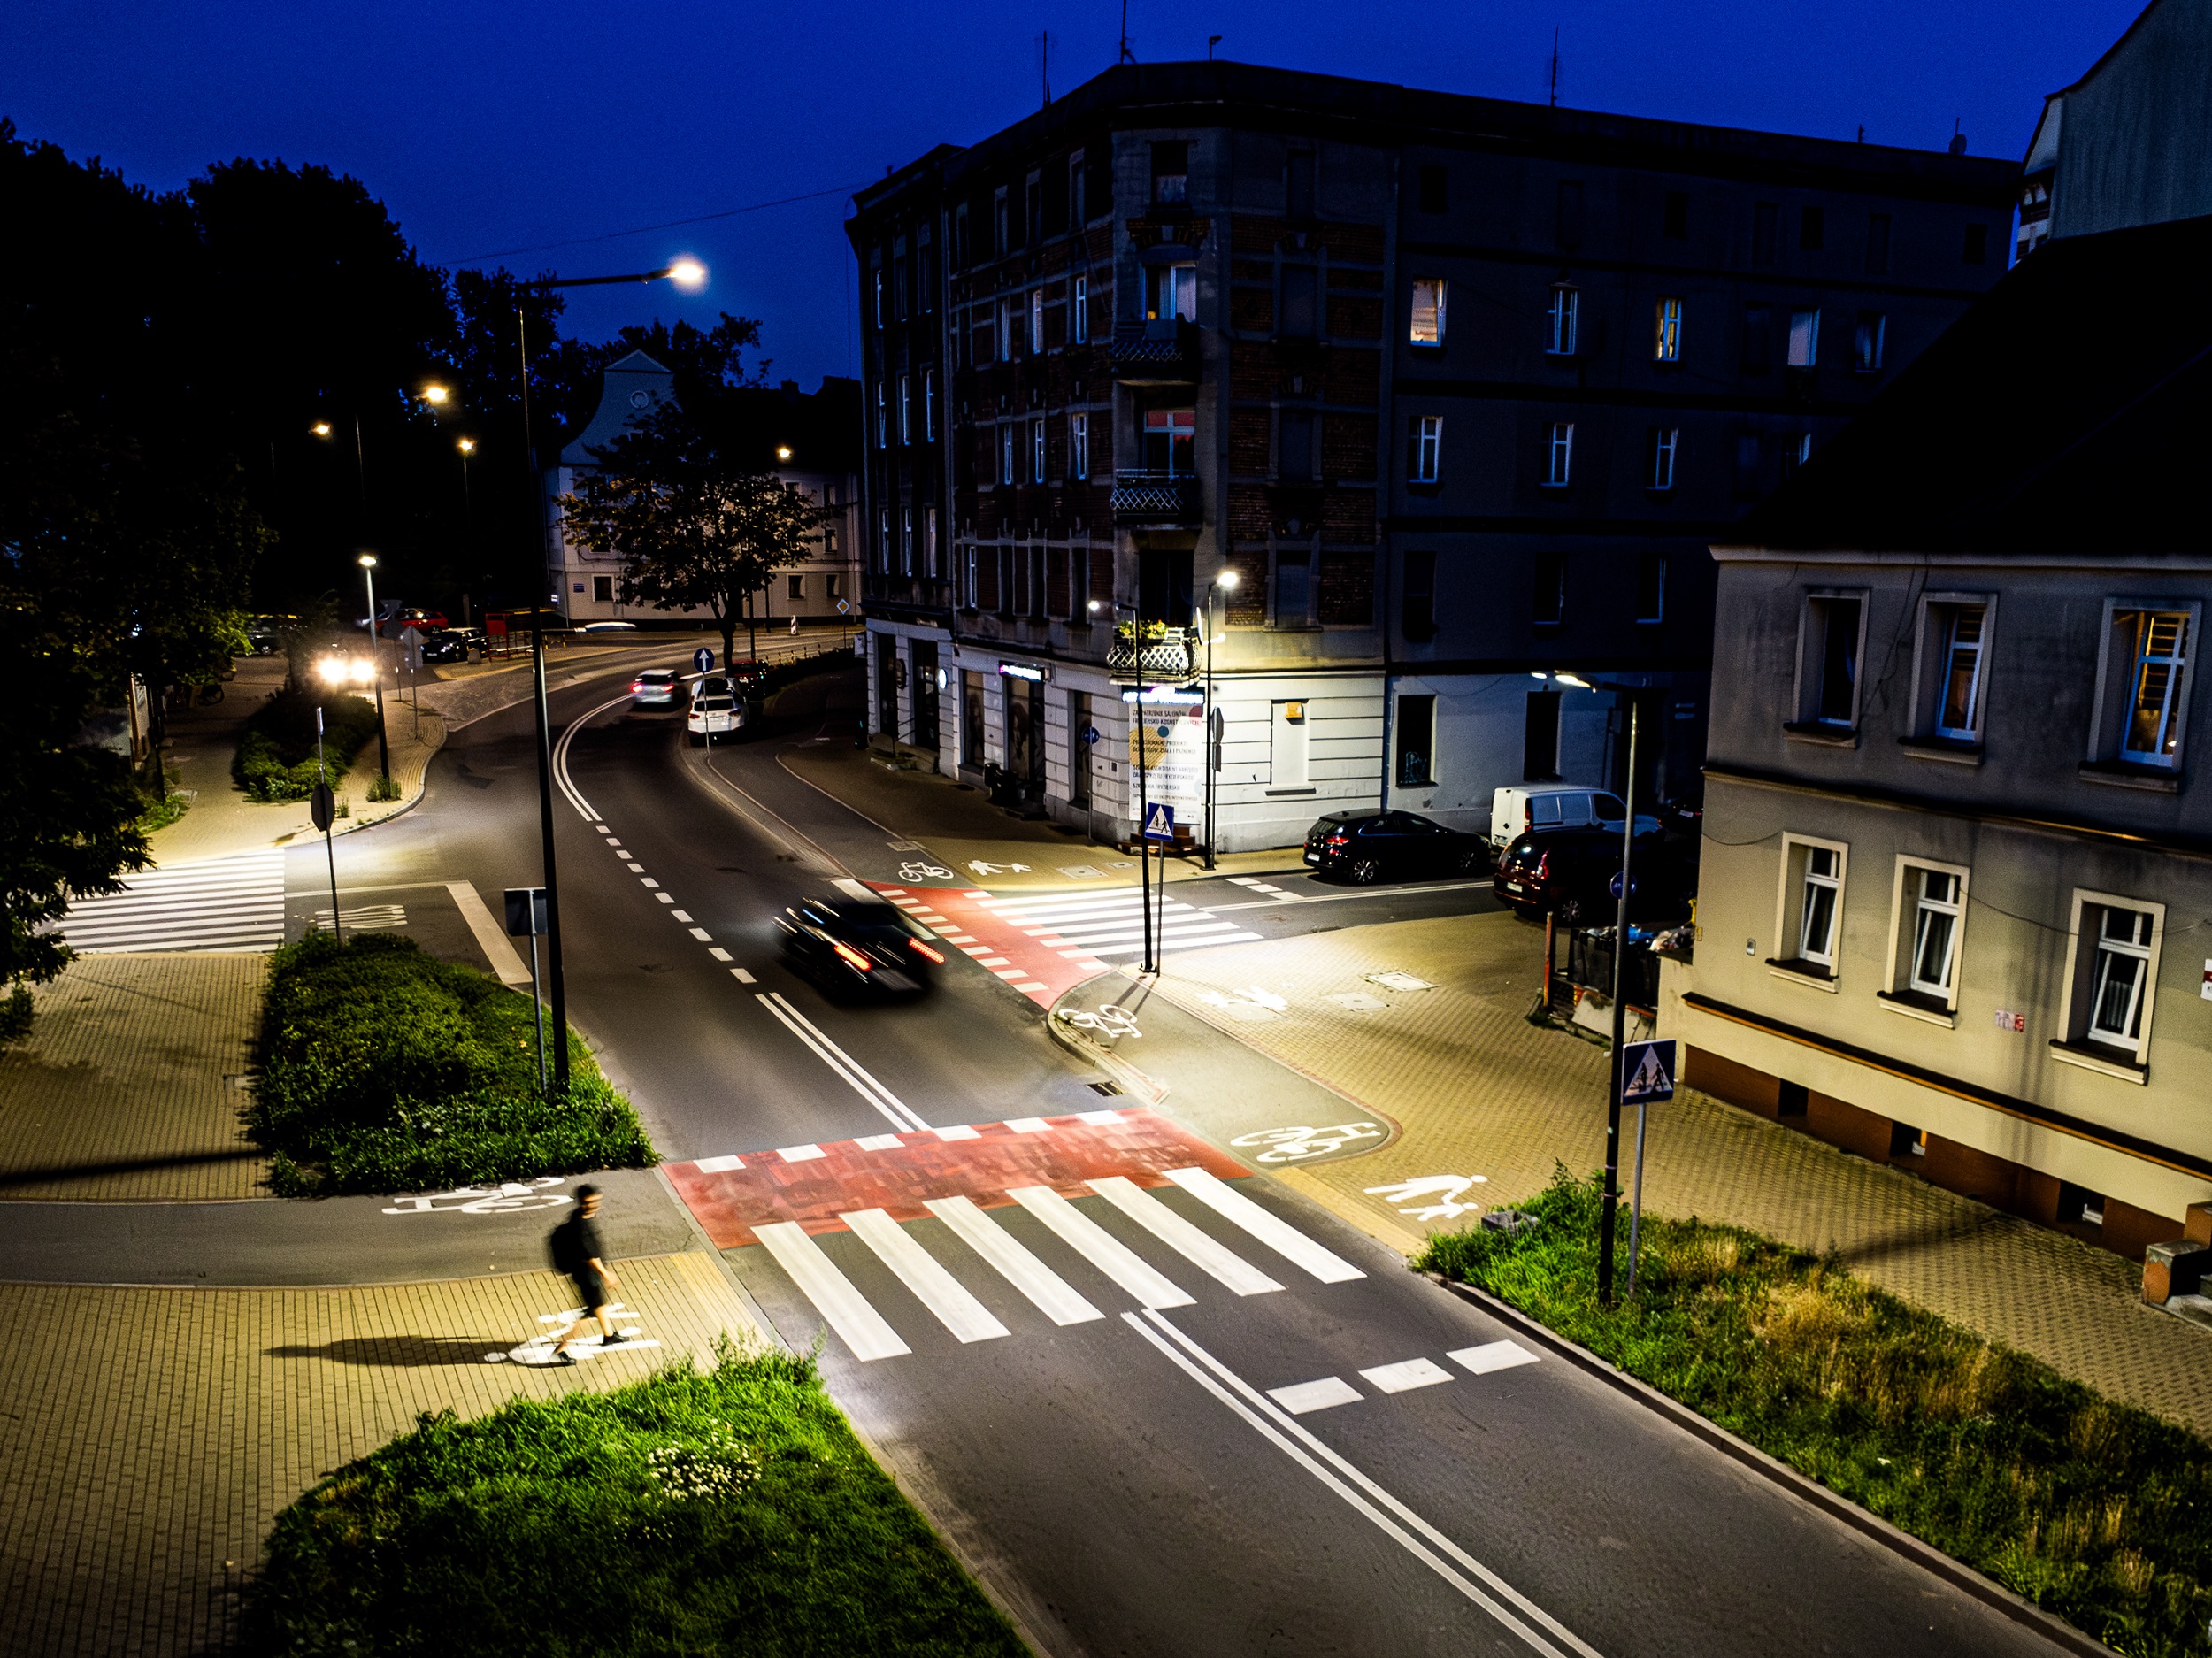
<point x="577" y="1250"/>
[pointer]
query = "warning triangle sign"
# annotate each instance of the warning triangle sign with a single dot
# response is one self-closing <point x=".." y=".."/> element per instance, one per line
<point x="1650" y="1075"/>
<point x="1159" y="823"/>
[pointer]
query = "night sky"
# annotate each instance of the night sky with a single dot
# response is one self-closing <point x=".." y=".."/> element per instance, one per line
<point x="490" y="129"/>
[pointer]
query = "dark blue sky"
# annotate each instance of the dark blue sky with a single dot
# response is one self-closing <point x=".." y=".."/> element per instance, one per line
<point x="487" y="128"/>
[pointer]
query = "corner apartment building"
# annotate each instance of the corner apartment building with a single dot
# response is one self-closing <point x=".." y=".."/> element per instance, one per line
<point x="1452" y="391"/>
<point x="810" y="440"/>
<point x="1957" y="860"/>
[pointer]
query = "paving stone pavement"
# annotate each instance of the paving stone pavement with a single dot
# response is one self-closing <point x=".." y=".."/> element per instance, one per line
<point x="1478" y="1090"/>
<point x="146" y="1452"/>
<point x="125" y="1090"/>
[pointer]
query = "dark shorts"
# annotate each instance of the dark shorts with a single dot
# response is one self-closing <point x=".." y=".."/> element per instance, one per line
<point x="592" y="1288"/>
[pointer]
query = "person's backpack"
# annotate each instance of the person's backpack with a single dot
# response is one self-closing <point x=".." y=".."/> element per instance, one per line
<point x="560" y="1246"/>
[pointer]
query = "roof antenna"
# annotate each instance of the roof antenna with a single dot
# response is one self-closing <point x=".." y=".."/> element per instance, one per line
<point x="1044" y="65"/>
<point x="1212" y="41"/>
<point x="1958" y="138"/>
<point x="1127" y="56"/>
<point x="1554" y="67"/>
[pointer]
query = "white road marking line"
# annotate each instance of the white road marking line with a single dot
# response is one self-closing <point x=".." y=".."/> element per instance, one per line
<point x="1407" y="1375"/>
<point x="1492" y="1355"/>
<point x="601" y="827"/>
<point x="958" y="1131"/>
<point x="743" y="977"/>
<point x="1099" y="1247"/>
<point x="879" y="1142"/>
<point x="561" y="778"/>
<point x="846" y="1309"/>
<point x="1052" y="1295"/>
<point x="682" y="915"/>
<point x="225" y="903"/>
<point x="1270" y="1228"/>
<point x="920" y="1271"/>
<point x="489" y="935"/>
<point x="844" y="1064"/>
<point x="1031" y="988"/>
<point x="1028" y="1124"/>
<point x="700" y="933"/>
<point x="719" y="953"/>
<point x="1536" y="1627"/>
<point x="961" y="939"/>
<point x="648" y="883"/>
<point x="800" y="1154"/>
<point x="1010" y="973"/>
<point x="1223" y="1265"/>
<point x="637" y="868"/>
<point x="1072" y="955"/>
<point x="1329" y="1391"/>
<point x="1098" y="1120"/>
<point x="718" y="1165"/>
<point x="991" y="961"/>
<point x="1242" y="880"/>
<point x="664" y="898"/>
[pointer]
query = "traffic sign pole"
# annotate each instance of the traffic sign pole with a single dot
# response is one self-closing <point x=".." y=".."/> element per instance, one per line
<point x="1648" y="1072"/>
<point x="1144" y="843"/>
<point x="1612" y="1196"/>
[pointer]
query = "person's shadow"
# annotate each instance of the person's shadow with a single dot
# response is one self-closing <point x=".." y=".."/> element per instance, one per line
<point x="402" y="1352"/>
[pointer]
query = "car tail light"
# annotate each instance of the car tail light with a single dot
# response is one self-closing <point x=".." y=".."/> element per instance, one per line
<point x="1338" y="839"/>
<point x="637" y="685"/>
<point x="925" y="952"/>
<point x="1543" y="867"/>
<point x="851" y="957"/>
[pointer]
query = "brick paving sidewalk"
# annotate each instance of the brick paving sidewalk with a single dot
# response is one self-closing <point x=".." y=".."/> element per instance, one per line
<point x="150" y="1436"/>
<point x="1479" y="1091"/>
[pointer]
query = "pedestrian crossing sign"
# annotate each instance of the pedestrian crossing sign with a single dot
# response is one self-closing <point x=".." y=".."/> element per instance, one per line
<point x="1159" y="823"/>
<point x="1646" y="1073"/>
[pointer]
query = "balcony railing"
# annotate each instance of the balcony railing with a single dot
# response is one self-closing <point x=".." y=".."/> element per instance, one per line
<point x="1171" y="657"/>
<point x="1164" y="353"/>
<point x="1148" y="497"/>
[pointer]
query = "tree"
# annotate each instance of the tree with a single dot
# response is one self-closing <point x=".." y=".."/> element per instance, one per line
<point x="695" y="528"/>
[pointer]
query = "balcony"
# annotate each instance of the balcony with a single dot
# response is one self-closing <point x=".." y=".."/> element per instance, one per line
<point x="1153" y="652"/>
<point x="1156" y="498"/>
<point x="1154" y="353"/>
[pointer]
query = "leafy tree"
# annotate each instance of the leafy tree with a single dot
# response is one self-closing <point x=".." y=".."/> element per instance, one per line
<point x="695" y="528"/>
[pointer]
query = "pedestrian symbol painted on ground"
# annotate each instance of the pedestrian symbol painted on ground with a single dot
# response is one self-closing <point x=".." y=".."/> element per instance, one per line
<point x="982" y="868"/>
<point x="1648" y="1072"/>
<point x="1432" y="1197"/>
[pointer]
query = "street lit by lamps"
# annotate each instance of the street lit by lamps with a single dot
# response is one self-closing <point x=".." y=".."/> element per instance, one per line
<point x="376" y="669"/>
<point x="1225" y="582"/>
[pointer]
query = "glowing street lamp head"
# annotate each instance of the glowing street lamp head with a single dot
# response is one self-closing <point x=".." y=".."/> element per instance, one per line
<point x="436" y="396"/>
<point x="688" y="273"/>
<point x="1227" y="580"/>
<point x="783" y="452"/>
<point x="367" y="561"/>
<point x="321" y="429"/>
<point x="467" y="446"/>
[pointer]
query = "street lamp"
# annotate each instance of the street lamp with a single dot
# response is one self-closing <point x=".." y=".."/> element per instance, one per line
<point x="687" y="273"/>
<point x="436" y="396"/>
<point x="376" y="665"/>
<point x="1226" y="582"/>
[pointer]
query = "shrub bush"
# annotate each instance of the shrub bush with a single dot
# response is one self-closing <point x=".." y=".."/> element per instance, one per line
<point x="384" y="1070"/>
<point x="730" y="1511"/>
<point x="276" y="750"/>
<point x="2094" y="1509"/>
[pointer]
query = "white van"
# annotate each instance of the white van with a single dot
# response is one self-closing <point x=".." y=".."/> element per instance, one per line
<point x="1515" y="811"/>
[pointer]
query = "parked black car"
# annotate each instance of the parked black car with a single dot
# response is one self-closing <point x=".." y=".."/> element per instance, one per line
<point x="853" y="941"/>
<point x="1366" y="847"/>
<point x="1570" y="872"/>
<point x="450" y="646"/>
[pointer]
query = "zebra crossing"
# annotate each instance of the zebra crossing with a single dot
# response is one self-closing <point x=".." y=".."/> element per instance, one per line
<point x="228" y="903"/>
<point x="1107" y="925"/>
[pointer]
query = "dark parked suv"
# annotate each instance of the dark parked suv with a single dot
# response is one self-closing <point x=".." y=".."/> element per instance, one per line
<point x="1365" y="846"/>
<point x="1570" y="872"/>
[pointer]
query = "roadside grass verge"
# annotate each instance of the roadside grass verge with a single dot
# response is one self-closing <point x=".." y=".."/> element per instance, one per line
<point x="2097" y="1511"/>
<point x="386" y="1070"/>
<point x="728" y="1511"/>
<point x="276" y="749"/>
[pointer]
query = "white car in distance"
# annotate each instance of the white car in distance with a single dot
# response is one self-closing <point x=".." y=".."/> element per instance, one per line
<point x="714" y="711"/>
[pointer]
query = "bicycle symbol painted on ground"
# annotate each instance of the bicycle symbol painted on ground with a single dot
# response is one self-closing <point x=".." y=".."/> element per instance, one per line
<point x="1295" y="1145"/>
<point x="1107" y="1021"/>
<point x="508" y="1198"/>
<point x="911" y="871"/>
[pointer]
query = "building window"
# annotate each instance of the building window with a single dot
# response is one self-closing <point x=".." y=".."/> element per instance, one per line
<point x="883" y="418"/>
<point x="1977" y="248"/>
<point x="1079" y="446"/>
<point x="1666" y="345"/>
<point x="906" y="415"/>
<point x="1567" y="214"/>
<point x="1958" y="709"/>
<point x="1755" y="338"/>
<point x="906" y="540"/>
<point x="929" y="404"/>
<point x="1550" y="603"/>
<point x="1878" y="244"/>
<point x="1294" y="445"/>
<point x="794" y="587"/>
<point x="1006" y="330"/>
<point x="1561" y="319"/>
<point x="1427" y="326"/>
<point x="926" y="273"/>
<point x="1416" y="741"/>
<point x="833" y="585"/>
<point x="1298" y="186"/>
<point x="1424" y="449"/>
<point x="1539" y="739"/>
<point x="1000" y="244"/>
<point x="1079" y="311"/>
<point x="1036" y="320"/>
<point x="2120" y="976"/>
<point x="1804" y="338"/>
<point x="1170" y="292"/>
<point x="603" y="589"/>
<point x="1807" y="927"/>
<point x="898" y="281"/>
<point x="883" y="540"/>
<point x="1299" y="318"/>
<point x="1079" y="208"/>
<point x="1559" y="454"/>
<point x="1294" y="586"/>
<point x="1823" y="889"/>
<point x="1675" y="223"/>
<point x="1812" y="229"/>
<point x="1866" y="342"/>
<point x="1797" y="448"/>
<point x="2152" y="732"/>
<point x="1417" y="617"/>
<point x="1664" y="441"/>
<point x="1006" y="454"/>
<point x="1171" y="441"/>
<point x="877" y="311"/>
<point x="1036" y="451"/>
<point x="1435" y="193"/>
<point x="1828" y="674"/>
<point x="1765" y="216"/>
<point x="1651" y="586"/>
<point x="929" y="547"/>
<point x="1938" y="903"/>
<point x="1171" y="171"/>
<point x="970" y="576"/>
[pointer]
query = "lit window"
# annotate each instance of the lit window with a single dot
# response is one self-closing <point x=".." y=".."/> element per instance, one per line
<point x="1935" y="932"/>
<point x="1171" y="441"/>
<point x="1559" y="454"/>
<point x="1079" y="446"/>
<point x="1560" y="321"/>
<point x="1824" y="887"/>
<point x="1666" y="346"/>
<point x="1959" y="709"/>
<point x="2154" y="720"/>
<point x="1424" y="448"/>
<point x="1664" y="441"/>
<point x="1428" y="312"/>
<point x="1866" y="342"/>
<point x="1171" y="291"/>
<point x="1079" y="309"/>
<point x="1036" y="320"/>
<point x="1804" y="338"/>
<point x="2121" y="976"/>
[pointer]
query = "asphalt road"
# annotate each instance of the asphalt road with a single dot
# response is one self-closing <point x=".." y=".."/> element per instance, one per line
<point x="1126" y="1480"/>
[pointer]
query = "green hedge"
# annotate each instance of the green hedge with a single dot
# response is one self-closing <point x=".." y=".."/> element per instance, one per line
<point x="2098" y="1511"/>
<point x="276" y="751"/>
<point x="386" y="1070"/>
<point x="728" y="1512"/>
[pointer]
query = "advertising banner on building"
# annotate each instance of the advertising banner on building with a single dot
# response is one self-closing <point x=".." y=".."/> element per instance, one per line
<point x="1170" y="746"/>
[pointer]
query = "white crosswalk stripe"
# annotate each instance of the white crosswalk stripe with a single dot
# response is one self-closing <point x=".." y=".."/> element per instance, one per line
<point x="233" y="903"/>
<point x="1112" y="924"/>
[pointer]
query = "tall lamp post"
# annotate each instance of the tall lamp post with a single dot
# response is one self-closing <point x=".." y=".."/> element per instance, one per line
<point x="686" y="273"/>
<point x="376" y="661"/>
<point x="1226" y="582"/>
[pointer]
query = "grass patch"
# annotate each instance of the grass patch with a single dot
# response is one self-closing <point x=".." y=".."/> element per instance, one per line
<point x="276" y="749"/>
<point x="386" y="1070"/>
<point x="2098" y="1511"/>
<point x="160" y="813"/>
<point x="729" y="1511"/>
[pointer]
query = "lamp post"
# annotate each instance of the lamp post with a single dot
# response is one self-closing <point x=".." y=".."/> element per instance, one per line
<point x="686" y="273"/>
<point x="1226" y="582"/>
<point x="376" y="660"/>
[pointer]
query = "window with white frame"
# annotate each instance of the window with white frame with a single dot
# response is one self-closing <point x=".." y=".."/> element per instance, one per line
<point x="1080" y="310"/>
<point x="1427" y="324"/>
<point x="1171" y="441"/>
<point x="1804" y="339"/>
<point x="878" y="311"/>
<point x="1559" y="454"/>
<point x="1170" y="292"/>
<point x="1036" y="320"/>
<point x="1938" y="910"/>
<point x="1562" y="320"/>
<point x="1828" y="645"/>
<point x="1424" y="449"/>
<point x="1079" y="446"/>
<point x="1960" y="627"/>
<point x="1666" y="344"/>
<point x="883" y="418"/>
<point x="883" y="540"/>
<point x="1006" y="331"/>
<point x="1664" y="441"/>
<point x="1823" y="899"/>
<point x="1006" y="454"/>
<point x="929" y="404"/>
<point x="929" y="542"/>
<point x="906" y="408"/>
<point x="1809" y="925"/>
<point x="969" y="577"/>
<point x="1036" y="451"/>
<point x="906" y="540"/>
<point x="2112" y="981"/>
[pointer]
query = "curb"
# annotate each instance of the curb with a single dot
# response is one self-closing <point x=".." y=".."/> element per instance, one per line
<point x="1148" y="1089"/>
<point x="1863" y="1520"/>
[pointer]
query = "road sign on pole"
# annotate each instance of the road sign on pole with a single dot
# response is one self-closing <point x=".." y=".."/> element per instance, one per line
<point x="702" y="659"/>
<point x="1646" y="1073"/>
<point x="527" y="918"/>
<point x="1159" y="822"/>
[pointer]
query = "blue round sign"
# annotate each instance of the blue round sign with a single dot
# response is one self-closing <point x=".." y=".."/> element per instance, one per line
<point x="702" y="659"/>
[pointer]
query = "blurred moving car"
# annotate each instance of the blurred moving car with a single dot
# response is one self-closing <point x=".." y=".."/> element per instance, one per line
<point x="716" y="711"/>
<point x="608" y="627"/>
<point x="656" y="688"/>
<point x="853" y="941"/>
<point x="1570" y="873"/>
<point x="1366" y="847"/>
